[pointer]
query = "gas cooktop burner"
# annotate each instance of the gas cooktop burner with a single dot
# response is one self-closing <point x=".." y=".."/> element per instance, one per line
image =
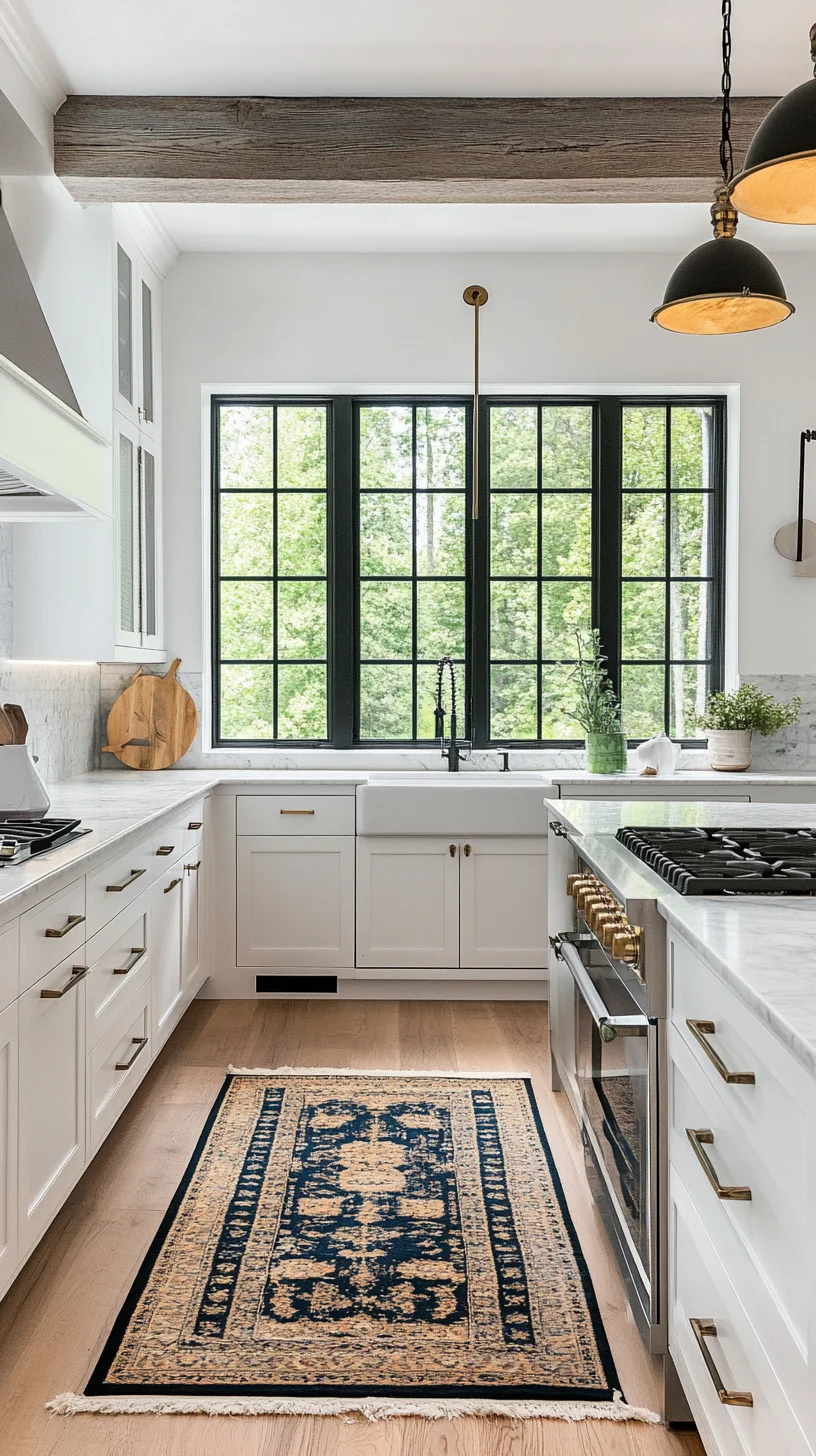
<point x="728" y="861"/>
<point x="22" y="838"/>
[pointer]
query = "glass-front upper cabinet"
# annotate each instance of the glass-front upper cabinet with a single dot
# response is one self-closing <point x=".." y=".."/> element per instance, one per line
<point x="137" y="365"/>
<point x="139" y="616"/>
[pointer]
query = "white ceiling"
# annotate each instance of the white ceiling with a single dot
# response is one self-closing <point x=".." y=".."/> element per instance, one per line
<point x="455" y="228"/>
<point x="425" y="47"/>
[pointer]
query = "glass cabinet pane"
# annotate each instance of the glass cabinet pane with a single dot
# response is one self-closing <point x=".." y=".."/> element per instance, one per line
<point x="124" y="323"/>
<point x="148" y="412"/>
<point x="149" y="563"/>
<point x="127" y="536"/>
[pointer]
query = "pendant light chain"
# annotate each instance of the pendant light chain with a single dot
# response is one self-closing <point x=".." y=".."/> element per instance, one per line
<point x="726" y="149"/>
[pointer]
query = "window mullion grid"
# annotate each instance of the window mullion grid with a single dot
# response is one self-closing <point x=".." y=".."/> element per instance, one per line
<point x="414" y="586"/>
<point x="539" y="566"/>
<point x="667" y="633"/>
<point x="215" y="495"/>
<point x="275" y="573"/>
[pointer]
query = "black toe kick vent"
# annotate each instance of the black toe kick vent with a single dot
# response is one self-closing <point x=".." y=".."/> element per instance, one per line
<point x="308" y="984"/>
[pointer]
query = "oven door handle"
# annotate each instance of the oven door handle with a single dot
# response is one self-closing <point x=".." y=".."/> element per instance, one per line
<point x="608" y="1025"/>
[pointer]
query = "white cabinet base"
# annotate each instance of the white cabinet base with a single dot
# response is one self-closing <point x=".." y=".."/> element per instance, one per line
<point x="503" y="904"/>
<point x="8" y="1145"/>
<point x="295" y="902"/>
<point x="407" y="903"/>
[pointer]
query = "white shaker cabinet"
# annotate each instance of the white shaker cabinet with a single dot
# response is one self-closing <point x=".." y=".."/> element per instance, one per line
<point x="295" y="901"/>
<point x="503" y="904"/>
<point x="52" y="1096"/>
<point x="164" y="937"/>
<point x="8" y="1144"/>
<point x="407" y="902"/>
<point x="191" y="918"/>
<point x="138" y="518"/>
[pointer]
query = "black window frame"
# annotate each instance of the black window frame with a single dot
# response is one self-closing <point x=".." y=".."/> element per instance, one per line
<point x="343" y="576"/>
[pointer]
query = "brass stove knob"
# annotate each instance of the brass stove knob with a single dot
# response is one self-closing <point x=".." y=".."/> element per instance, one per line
<point x="613" y="927"/>
<point x="626" y="945"/>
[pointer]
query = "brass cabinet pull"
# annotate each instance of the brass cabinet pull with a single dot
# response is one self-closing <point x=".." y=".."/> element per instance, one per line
<point x="196" y="866"/>
<point x="468" y="851"/>
<point x="71" y="923"/>
<point x="139" y="1042"/>
<point x="452" y="851"/>
<point x="78" y="973"/>
<point x="136" y="953"/>
<point x="700" y="1030"/>
<point x="705" y="1329"/>
<point x="165" y="849"/>
<point x="697" y="1136"/>
<point x="196" y="824"/>
<point x="171" y="886"/>
<point x="297" y="811"/>
<point x="125" y="885"/>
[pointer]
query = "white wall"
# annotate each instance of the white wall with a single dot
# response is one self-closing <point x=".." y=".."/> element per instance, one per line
<point x="390" y="320"/>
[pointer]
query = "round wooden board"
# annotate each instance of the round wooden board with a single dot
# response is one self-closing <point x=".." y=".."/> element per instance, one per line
<point x="153" y="722"/>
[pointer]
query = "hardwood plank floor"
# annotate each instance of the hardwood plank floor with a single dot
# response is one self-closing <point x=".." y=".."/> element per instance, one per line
<point x="54" y="1319"/>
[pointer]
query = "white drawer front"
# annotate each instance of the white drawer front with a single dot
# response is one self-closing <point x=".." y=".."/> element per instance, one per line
<point x="117" y="1065"/>
<point x="113" y="888"/>
<point x="193" y="828"/>
<point x="9" y="964"/>
<point x="762" y="1240"/>
<point x="51" y="932"/>
<point x="701" y="1290"/>
<point x="295" y="814"/>
<point x="118" y="962"/>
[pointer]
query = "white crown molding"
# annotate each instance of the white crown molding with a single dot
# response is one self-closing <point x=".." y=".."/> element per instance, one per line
<point x="147" y="230"/>
<point x="33" y="55"/>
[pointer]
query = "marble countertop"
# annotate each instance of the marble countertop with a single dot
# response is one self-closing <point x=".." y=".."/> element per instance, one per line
<point x="563" y="776"/>
<point x="764" y="949"/>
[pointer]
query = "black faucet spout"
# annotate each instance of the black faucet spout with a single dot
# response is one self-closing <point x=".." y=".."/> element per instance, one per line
<point x="451" y="746"/>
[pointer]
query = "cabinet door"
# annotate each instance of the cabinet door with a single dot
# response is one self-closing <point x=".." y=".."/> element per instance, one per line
<point x="150" y="540"/>
<point x="128" y="528"/>
<point x="126" y="396"/>
<point x="164" y="942"/>
<point x="407" y="902"/>
<point x="503" y="904"/>
<point x="148" y="301"/>
<point x="296" y="901"/>
<point x="190" y="920"/>
<point x="8" y="1145"/>
<point x="52" y="1097"/>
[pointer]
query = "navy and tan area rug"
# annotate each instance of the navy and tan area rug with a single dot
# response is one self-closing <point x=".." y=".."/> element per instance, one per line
<point x="382" y="1243"/>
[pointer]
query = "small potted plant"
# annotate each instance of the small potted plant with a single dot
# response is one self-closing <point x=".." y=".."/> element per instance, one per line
<point x="731" y="719"/>
<point x="597" y="709"/>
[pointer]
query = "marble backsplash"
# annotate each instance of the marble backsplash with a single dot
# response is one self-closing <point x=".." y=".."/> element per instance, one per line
<point x="793" y="748"/>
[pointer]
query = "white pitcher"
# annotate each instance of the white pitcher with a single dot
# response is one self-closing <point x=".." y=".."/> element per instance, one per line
<point x="23" y="794"/>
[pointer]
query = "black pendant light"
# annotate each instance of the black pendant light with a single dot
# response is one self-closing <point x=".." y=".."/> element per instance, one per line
<point x="778" y="179"/>
<point x="725" y="286"/>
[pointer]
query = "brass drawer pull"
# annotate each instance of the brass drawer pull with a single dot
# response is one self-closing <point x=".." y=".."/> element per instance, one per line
<point x="700" y="1030"/>
<point x="78" y="973"/>
<point x="697" y="1136"/>
<point x="705" y="1329"/>
<point x="452" y="851"/>
<point x="171" y="886"/>
<point x="136" y="953"/>
<point x="196" y="866"/>
<point x="139" y="1042"/>
<point x="196" y="824"/>
<point x="125" y="885"/>
<point x="297" y="811"/>
<point x="165" y="849"/>
<point x="71" y="923"/>
<point x="468" y="851"/>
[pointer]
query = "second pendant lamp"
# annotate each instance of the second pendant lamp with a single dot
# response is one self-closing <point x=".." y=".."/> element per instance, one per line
<point x="725" y="286"/>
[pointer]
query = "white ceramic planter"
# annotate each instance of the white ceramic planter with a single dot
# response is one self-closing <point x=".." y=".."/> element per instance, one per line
<point x="729" y="750"/>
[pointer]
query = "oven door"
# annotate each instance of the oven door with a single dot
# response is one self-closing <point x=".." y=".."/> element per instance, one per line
<point x="616" y="1066"/>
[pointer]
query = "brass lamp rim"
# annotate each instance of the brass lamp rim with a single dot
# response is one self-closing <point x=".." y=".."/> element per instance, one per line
<point x="765" y="167"/>
<point x="745" y="293"/>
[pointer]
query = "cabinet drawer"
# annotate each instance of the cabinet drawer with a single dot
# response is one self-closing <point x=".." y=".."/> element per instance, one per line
<point x="701" y="1290"/>
<point x="9" y="964"/>
<point x="193" y="828"/>
<point x="118" y="884"/>
<point x="117" y="958"/>
<point x="758" y="1221"/>
<point x="295" y="814"/>
<point x="51" y="932"/>
<point x="117" y="1065"/>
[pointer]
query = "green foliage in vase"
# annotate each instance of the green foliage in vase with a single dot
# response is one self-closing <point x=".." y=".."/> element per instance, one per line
<point x="595" y="705"/>
<point x="748" y="710"/>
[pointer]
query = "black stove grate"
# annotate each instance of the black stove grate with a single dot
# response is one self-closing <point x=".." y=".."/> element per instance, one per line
<point x="698" y="861"/>
<point x="22" y="838"/>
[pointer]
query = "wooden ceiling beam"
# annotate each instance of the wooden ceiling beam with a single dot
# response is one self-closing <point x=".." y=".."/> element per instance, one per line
<point x="395" y="149"/>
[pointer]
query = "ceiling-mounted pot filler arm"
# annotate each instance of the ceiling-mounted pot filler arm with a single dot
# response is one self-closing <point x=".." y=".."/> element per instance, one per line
<point x="805" y="439"/>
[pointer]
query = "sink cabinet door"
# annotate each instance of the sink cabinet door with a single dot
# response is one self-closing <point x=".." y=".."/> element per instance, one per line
<point x="503" y="892"/>
<point x="407" y="902"/>
<point x="296" y="901"/>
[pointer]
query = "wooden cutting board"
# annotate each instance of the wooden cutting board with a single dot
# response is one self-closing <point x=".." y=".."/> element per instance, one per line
<point x="153" y="722"/>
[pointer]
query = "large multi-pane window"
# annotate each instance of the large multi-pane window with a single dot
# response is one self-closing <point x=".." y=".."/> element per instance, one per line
<point x="346" y="562"/>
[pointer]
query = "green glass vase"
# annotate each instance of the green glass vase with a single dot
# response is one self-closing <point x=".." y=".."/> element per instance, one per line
<point x="606" y="753"/>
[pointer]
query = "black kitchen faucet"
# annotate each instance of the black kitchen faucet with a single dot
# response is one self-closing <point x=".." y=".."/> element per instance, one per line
<point x="453" y="748"/>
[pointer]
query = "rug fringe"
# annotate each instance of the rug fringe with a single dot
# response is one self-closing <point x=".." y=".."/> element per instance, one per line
<point x="365" y="1072"/>
<point x="370" y="1409"/>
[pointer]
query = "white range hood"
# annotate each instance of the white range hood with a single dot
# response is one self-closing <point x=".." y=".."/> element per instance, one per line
<point x="53" y="464"/>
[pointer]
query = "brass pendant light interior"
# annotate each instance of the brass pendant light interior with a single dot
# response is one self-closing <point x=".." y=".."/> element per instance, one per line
<point x="725" y="286"/>
<point x="778" y="179"/>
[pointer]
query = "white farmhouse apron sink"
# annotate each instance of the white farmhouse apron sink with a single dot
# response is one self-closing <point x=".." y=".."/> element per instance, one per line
<point x="453" y="804"/>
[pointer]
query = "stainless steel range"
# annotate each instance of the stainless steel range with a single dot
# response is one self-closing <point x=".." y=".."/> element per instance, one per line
<point x="21" y="839"/>
<point x="608" y="1009"/>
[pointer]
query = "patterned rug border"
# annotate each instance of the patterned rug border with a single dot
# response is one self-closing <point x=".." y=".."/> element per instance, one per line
<point x="373" y="1405"/>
